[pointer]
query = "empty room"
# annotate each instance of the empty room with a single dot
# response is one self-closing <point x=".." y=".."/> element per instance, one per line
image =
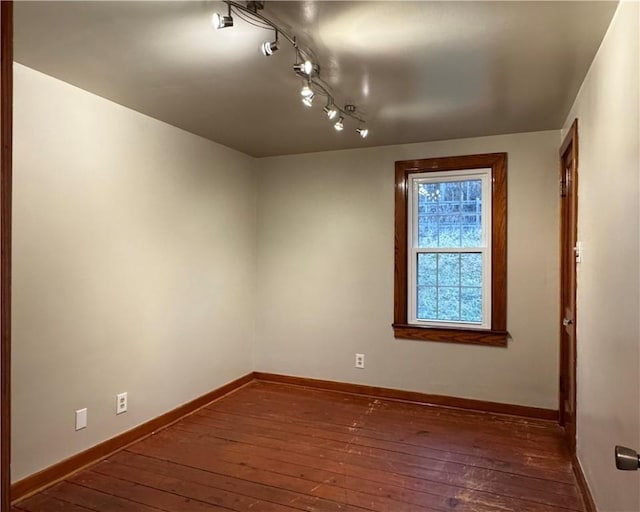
<point x="322" y="256"/>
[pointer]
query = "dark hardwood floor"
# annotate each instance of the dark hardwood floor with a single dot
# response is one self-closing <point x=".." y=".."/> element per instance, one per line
<point x="278" y="448"/>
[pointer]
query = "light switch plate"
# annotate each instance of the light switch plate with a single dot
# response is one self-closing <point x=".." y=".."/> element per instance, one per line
<point x="578" y="251"/>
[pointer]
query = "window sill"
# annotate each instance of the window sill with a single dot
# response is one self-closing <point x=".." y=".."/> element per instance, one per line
<point x="465" y="336"/>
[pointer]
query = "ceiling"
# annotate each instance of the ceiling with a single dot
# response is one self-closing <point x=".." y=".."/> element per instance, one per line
<point x="417" y="71"/>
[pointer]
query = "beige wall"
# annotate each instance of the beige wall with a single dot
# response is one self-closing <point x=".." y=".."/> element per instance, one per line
<point x="325" y="267"/>
<point x="134" y="268"/>
<point x="135" y="260"/>
<point x="608" y="279"/>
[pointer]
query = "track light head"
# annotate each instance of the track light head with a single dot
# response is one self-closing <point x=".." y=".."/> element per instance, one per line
<point x="306" y="91"/>
<point x="307" y="68"/>
<point x="339" y="126"/>
<point x="363" y="132"/>
<point x="308" y="100"/>
<point x="269" y="48"/>
<point x="331" y="111"/>
<point x="221" y="21"/>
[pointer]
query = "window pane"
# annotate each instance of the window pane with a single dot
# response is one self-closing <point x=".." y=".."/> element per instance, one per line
<point x="448" y="269"/>
<point x="449" y="287"/>
<point x="471" y="218"/>
<point x="471" y="304"/>
<point x="449" y="214"/>
<point x="449" y="231"/>
<point x="448" y="303"/>
<point x="450" y="192"/>
<point x="427" y="269"/>
<point x="428" y="231"/>
<point x="428" y="193"/>
<point x="471" y="269"/>
<point x="427" y="303"/>
<point x="471" y="237"/>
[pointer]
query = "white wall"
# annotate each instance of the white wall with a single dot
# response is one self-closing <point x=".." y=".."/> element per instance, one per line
<point x="608" y="305"/>
<point x="133" y="268"/>
<point x="325" y="267"/>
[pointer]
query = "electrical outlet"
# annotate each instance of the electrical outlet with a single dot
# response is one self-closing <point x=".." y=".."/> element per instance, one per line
<point x="81" y="419"/>
<point x="359" y="360"/>
<point x="121" y="403"/>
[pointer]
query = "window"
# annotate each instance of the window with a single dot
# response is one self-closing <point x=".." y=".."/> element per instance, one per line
<point x="450" y="268"/>
<point x="449" y="214"/>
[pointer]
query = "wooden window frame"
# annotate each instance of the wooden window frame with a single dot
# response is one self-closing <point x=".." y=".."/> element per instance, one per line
<point x="497" y="335"/>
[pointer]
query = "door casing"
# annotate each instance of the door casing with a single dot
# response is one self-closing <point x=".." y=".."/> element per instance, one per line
<point x="6" y="145"/>
<point x="568" y="283"/>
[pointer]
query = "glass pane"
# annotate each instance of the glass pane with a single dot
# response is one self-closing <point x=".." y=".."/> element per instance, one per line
<point x="449" y="231"/>
<point x="448" y="269"/>
<point x="450" y="192"/>
<point x="427" y="270"/>
<point x="449" y="287"/>
<point x="448" y="303"/>
<point x="471" y="190"/>
<point x="471" y="218"/>
<point x="428" y="194"/>
<point x="471" y="236"/>
<point x="450" y="214"/>
<point x="471" y="269"/>
<point x="427" y="303"/>
<point x="471" y="304"/>
<point x="428" y="231"/>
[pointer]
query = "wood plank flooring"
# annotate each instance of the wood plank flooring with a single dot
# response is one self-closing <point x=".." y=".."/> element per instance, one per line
<point x="278" y="448"/>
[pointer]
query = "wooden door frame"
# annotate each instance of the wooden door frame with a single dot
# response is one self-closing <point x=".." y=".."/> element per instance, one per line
<point x="570" y="143"/>
<point x="6" y="145"/>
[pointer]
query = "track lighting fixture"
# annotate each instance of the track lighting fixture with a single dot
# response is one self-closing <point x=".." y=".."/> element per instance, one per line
<point x="221" y="21"/>
<point x="308" y="100"/>
<point x="331" y="111"/>
<point x="305" y="67"/>
<point x="269" y="48"/>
